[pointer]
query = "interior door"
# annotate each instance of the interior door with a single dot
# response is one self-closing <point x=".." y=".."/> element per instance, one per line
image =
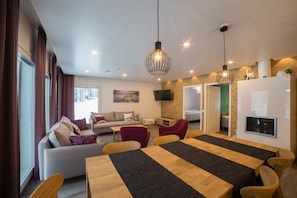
<point x="213" y="108"/>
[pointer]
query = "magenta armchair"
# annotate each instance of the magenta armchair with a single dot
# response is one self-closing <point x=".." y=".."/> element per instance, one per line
<point x="137" y="133"/>
<point x="180" y="128"/>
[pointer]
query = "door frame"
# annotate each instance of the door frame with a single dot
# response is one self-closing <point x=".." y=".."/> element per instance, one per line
<point x="201" y="107"/>
<point x="205" y="106"/>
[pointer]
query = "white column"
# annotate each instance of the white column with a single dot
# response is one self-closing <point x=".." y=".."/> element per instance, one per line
<point x="264" y="68"/>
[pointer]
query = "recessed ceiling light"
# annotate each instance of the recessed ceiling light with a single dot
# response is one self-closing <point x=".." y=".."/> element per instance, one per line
<point x="94" y="52"/>
<point x="87" y="71"/>
<point x="230" y="62"/>
<point x="124" y="75"/>
<point x="186" y="44"/>
<point x="159" y="79"/>
<point x="191" y="71"/>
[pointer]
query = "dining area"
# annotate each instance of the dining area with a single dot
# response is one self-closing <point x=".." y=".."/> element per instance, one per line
<point x="208" y="165"/>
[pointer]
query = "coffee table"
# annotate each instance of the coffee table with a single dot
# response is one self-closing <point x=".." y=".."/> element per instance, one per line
<point x="117" y="129"/>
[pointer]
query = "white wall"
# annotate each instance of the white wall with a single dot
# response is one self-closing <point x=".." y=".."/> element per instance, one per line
<point x="269" y="97"/>
<point x="192" y="99"/>
<point x="147" y="106"/>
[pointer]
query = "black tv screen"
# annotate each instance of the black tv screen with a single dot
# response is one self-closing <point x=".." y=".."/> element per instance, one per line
<point x="163" y="94"/>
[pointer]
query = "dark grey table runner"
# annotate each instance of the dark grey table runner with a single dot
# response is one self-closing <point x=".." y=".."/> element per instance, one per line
<point x="241" y="148"/>
<point x="145" y="178"/>
<point x="233" y="173"/>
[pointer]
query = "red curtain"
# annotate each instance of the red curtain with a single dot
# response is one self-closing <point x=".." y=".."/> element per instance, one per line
<point x="39" y="94"/>
<point x="9" y="123"/>
<point x="53" y="92"/>
<point x="65" y="95"/>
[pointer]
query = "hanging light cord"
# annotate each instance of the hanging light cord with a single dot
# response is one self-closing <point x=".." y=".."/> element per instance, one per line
<point x="224" y="48"/>
<point x="158" y="19"/>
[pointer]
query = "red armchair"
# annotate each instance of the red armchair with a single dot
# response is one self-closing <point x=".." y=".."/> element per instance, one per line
<point x="137" y="133"/>
<point x="180" y="128"/>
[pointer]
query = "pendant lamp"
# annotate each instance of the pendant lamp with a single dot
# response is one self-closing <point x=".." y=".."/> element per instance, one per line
<point x="225" y="76"/>
<point x="158" y="63"/>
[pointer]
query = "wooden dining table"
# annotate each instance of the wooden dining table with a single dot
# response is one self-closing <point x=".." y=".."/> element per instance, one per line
<point x="212" y="165"/>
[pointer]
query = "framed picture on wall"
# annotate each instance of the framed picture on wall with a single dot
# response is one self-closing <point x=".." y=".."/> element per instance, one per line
<point x="125" y="96"/>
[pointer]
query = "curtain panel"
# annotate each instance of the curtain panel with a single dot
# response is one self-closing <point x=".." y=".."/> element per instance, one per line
<point x="9" y="122"/>
<point x="65" y="95"/>
<point x="53" y="92"/>
<point x="39" y="94"/>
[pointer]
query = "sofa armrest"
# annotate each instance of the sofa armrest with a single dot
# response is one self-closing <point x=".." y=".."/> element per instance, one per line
<point x="69" y="160"/>
<point x="42" y="145"/>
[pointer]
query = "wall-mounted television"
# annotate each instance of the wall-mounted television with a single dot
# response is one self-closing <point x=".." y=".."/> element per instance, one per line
<point x="164" y="94"/>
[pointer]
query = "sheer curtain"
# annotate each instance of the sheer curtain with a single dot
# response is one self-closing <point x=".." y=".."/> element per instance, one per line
<point x="39" y="94"/>
<point x="9" y="123"/>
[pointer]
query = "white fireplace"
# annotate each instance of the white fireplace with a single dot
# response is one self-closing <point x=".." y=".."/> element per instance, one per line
<point x="266" y="111"/>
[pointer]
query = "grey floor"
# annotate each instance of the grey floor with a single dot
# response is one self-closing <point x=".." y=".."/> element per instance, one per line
<point x="76" y="187"/>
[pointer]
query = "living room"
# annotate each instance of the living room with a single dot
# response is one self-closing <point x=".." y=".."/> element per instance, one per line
<point x="147" y="107"/>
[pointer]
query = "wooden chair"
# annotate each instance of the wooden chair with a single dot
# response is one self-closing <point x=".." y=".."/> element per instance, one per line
<point x="165" y="139"/>
<point x="117" y="147"/>
<point x="284" y="159"/>
<point x="194" y="133"/>
<point x="49" y="188"/>
<point x="270" y="185"/>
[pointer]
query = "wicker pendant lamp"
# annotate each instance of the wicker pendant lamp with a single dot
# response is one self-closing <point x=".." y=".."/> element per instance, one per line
<point x="158" y="63"/>
<point x="225" y="76"/>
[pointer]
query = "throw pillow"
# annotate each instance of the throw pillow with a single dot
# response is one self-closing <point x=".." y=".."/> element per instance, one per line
<point x="99" y="117"/>
<point x="136" y="117"/>
<point x="128" y="117"/>
<point x="60" y="136"/>
<point x="83" y="139"/>
<point x="71" y="126"/>
<point x="81" y="123"/>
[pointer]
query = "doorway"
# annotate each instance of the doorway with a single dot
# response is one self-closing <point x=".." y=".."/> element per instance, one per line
<point x="217" y="107"/>
<point x="192" y="104"/>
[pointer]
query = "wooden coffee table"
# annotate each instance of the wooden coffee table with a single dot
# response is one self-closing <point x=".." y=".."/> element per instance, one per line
<point x="117" y="129"/>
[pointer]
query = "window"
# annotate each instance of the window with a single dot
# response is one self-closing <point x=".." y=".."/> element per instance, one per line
<point x="26" y="87"/>
<point x="85" y="102"/>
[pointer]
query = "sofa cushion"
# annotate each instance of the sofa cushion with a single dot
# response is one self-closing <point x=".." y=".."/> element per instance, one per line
<point x="119" y="116"/>
<point x="60" y="136"/>
<point x="81" y="123"/>
<point x="83" y="139"/>
<point x="109" y="116"/>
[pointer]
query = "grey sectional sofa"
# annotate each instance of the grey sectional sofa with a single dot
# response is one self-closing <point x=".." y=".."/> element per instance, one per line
<point x="101" y="122"/>
<point x="66" y="159"/>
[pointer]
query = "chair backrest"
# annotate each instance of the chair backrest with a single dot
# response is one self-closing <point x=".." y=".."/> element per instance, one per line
<point x="270" y="185"/>
<point x="165" y="139"/>
<point x="118" y="147"/>
<point x="49" y="188"/>
<point x="194" y="133"/>
<point x="179" y="128"/>
<point x="137" y="133"/>
<point x="284" y="159"/>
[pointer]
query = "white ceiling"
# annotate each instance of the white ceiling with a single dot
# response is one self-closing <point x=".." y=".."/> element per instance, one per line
<point x="124" y="32"/>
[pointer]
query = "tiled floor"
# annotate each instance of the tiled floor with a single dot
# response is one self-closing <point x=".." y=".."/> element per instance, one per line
<point x="76" y="187"/>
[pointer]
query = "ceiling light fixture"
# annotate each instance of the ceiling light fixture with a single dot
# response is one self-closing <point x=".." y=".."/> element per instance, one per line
<point x="225" y="76"/>
<point x="157" y="63"/>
